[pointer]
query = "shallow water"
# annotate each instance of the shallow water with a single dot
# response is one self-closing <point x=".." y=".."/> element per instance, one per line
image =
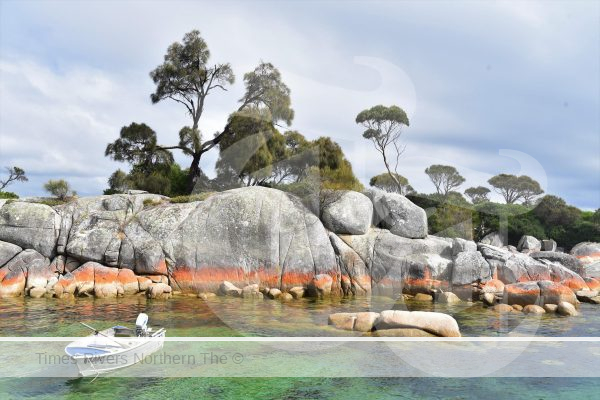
<point x="224" y="316"/>
<point x="188" y="316"/>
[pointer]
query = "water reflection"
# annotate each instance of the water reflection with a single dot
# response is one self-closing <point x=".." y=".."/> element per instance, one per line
<point x="189" y="316"/>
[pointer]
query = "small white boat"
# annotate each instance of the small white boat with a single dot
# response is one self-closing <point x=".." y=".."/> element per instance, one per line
<point x="115" y="347"/>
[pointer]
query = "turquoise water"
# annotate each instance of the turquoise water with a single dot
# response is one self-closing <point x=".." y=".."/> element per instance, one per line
<point x="187" y="316"/>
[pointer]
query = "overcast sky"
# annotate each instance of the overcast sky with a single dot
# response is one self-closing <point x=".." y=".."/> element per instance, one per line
<point x="489" y="87"/>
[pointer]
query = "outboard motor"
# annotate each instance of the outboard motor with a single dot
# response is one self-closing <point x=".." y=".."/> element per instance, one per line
<point x="141" y="325"/>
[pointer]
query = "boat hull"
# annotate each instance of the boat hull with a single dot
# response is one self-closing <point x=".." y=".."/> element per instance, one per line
<point x="93" y="365"/>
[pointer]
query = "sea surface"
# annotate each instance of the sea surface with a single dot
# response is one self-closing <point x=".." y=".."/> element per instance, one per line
<point x="191" y="317"/>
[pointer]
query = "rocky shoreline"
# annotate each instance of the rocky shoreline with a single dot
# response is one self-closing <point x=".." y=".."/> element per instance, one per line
<point x="260" y="242"/>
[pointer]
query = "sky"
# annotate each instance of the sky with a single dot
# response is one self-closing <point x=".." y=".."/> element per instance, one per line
<point x="489" y="87"/>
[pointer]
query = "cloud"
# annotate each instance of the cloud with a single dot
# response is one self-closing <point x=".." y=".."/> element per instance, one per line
<point x="474" y="78"/>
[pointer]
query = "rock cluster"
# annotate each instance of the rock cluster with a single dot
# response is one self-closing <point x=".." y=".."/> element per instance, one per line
<point x="257" y="242"/>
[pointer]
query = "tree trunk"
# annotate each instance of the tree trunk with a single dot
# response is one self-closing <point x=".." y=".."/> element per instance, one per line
<point x="194" y="172"/>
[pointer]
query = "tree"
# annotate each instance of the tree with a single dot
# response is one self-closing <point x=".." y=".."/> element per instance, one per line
<point x="59" y="188"/>
<point x="386" y="182"/>
<point x="553" y="211"/>
<point x="15" y="174"/>
<point x="186" y="77"/>
<point x="250" y="151"/>
<point x="118" y="182"/>
<point x="530" y="189"/>
<point x="478" y="194"/>
<point x="514" y="188"/>
<point x="444" y="177"/>
<point x="383" y="126"/>
<point x="137" y="145"/>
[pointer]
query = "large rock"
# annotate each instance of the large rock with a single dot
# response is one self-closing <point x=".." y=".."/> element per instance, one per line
<point x="522" y="268"/>
<point x="347" y="212"/>
<point x="592" y="270"/>
<point x="529" y="244"/>
<point x="459" y="245"/>
<point x="567" y="260"/>
<point x="494" y="239"/>
<point x="436" y="323"/>
<point x="548" y="245"/>
<point x="470" y="267"/>
<point x="567" y="309"/>
<point x="30" y="226"/>
<point x="399" y="264"/>
<point x="587" y="252"/>
<point x="26" y="270"/>
<point x="555" y="293"/>
<point x="352" y="266"/>
<point x="249" y="235"/>
<point x="7" y="252"/>
<point x="523" y="293"/>
<point x="398" y="214"/>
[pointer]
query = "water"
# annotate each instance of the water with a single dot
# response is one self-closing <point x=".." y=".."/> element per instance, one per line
<point x="188" y="316"/>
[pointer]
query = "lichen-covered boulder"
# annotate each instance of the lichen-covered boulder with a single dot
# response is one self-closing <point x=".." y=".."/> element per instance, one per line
<point x="494" y="239"/>
<point x="587" y="252"/>
<point x="26" y="270"/>
<point x="459" y="245"/>
<point x="554" y="293"/>
<point x="347" y="212"/>
<point x="8" y="251"/>
<point x="566" y="260"/>
<point x="400" y="264"/>
<point x="529" y="244"/>
<point x="523" y="293"/>
<point x="30" y="226"/>
<point x="470" y="267"/>
<point x="398" y="214"/>
<point x="548" y="245"/>
<point x="352" y="266"/>
<point x="249" y="235"/>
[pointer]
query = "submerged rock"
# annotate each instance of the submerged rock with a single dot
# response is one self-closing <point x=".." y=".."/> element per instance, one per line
<point x="436" y="323"/>
<point x="566" y="309"/>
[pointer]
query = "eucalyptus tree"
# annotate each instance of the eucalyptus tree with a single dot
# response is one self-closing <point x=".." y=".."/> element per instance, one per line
<point x="15" y="174"/>
<point x="478" y="194"/>
<point x="445" y="178"/>
<point x="187" y="77"/>
<point x="386" y="182"/>
<point x="383" y="127"/>
<point x="514" y="188"/>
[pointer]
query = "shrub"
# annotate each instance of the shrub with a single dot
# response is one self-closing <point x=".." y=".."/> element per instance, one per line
<point x="192" y="197"/>
<point x="8" y="195"/>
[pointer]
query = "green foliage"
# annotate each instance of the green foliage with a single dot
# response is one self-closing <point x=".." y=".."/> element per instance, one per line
<point x="151" y="203"/>
<point x="265" y="90"/>
<point x="59" y="189"/>
<point x="15" y="174"/>
<point x="383" y="127"/>
<point x="394" y="183"/>
<point x="250" y="150"/>
<point x="552" y="210"/>
<point x="514" y="188"/>
<point x="444" y="177"/>
<point x="191" y="198"/>
<point x="8" y="195"/>
<point x="137" y="146"/>
<point x="478" y="194"/>
<point x="448" y="216"/>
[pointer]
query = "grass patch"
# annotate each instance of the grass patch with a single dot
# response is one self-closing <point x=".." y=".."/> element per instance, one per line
<point x="192" y="197"/>
<point x="152" y="203"/>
